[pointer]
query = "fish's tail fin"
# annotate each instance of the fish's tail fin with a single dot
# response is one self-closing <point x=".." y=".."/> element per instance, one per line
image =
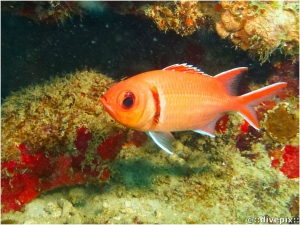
<point x="253" y="98"/>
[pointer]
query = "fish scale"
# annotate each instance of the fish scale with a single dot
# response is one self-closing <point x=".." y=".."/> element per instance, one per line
<point x="181" y="97"/>
<point x="188" y="96"/>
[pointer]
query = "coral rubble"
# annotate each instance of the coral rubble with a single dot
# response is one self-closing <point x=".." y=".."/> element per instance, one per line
<point x="50" y="136"/>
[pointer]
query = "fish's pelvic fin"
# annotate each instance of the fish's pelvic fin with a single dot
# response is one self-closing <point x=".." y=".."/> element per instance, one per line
<point x="162" y="139"/>
<point x="254" y="98"/>
<point x="184" y="68"/>
<point x="231" y="78"/>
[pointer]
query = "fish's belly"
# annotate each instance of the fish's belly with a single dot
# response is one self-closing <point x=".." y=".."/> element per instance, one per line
<point x="190" y="112"/>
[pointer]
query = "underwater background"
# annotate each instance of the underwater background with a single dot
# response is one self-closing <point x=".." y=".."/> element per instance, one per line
<point x="64" y="159"/>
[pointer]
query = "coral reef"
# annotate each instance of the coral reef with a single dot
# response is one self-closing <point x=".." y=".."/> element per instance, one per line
<point x="46" y="117"/>
<point x="287" y="71"/>
<point x="221" y="125"/>
<point x="51" y="134"/>
<point x="289" y="121"/>
<point x="47" y="11"/>
<point x="184" y="17"/>
<point x="279" y="119"/>
<point x="286" y="159"/>
<point x="151" y="187"/>
<point x="260" y="26"/>
<point x="235" y="170"/>
<point x="291" y="161"/>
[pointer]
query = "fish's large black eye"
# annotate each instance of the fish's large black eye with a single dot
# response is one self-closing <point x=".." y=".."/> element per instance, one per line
<point x="128" y="101"/>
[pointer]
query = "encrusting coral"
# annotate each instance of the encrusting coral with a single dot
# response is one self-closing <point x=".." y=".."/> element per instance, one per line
<point x="260" y="26"/>
<point x="58" y="134"/>
<point x="289" y="123"/>
<point x="216" y="173"/>
<point x="184" y="17"/>
<point x="46" y="117"/>
<point x="44" y="11"/>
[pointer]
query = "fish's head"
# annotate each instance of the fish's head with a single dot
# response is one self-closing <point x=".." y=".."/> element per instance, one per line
<point x="131" y="104"/>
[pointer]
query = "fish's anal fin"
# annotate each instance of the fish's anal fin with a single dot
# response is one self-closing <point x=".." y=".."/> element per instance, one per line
<point x="231" y="78"/>
<point x="209" y="129"/>
<point x="162" y="139"/>
<point x="157" y="104"/>
<point x="204" y="133"/>
<point x="184" y="68"/>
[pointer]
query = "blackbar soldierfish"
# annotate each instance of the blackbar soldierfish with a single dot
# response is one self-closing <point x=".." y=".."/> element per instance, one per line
<point x="181" y="97"/>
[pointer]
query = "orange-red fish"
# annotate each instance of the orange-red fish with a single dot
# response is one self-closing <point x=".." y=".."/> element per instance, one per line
<point x="181" y="97"/>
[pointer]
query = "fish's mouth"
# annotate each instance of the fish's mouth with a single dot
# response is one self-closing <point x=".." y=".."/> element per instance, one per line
<point x="108" y="108"/>
<point x="103" y="99"/>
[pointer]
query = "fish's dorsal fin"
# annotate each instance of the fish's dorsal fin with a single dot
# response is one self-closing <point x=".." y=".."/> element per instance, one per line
<point x="230" y="79"/>
<point x="184" y="68"/>
<point x="162" y="139"/>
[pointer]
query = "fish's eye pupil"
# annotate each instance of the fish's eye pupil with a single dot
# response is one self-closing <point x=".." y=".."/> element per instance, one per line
<point x="128" y="102"/>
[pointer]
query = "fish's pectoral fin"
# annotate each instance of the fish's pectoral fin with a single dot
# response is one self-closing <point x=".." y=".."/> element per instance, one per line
<point x="162" y="139"/>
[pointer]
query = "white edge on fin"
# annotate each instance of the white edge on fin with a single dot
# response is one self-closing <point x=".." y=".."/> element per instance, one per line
<point x="249" y="121"/>
<point x="163" y="141"/>
<point x="205" y="133"/>
<point x="188" y="66"/>
<point x="177" y="64"/>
